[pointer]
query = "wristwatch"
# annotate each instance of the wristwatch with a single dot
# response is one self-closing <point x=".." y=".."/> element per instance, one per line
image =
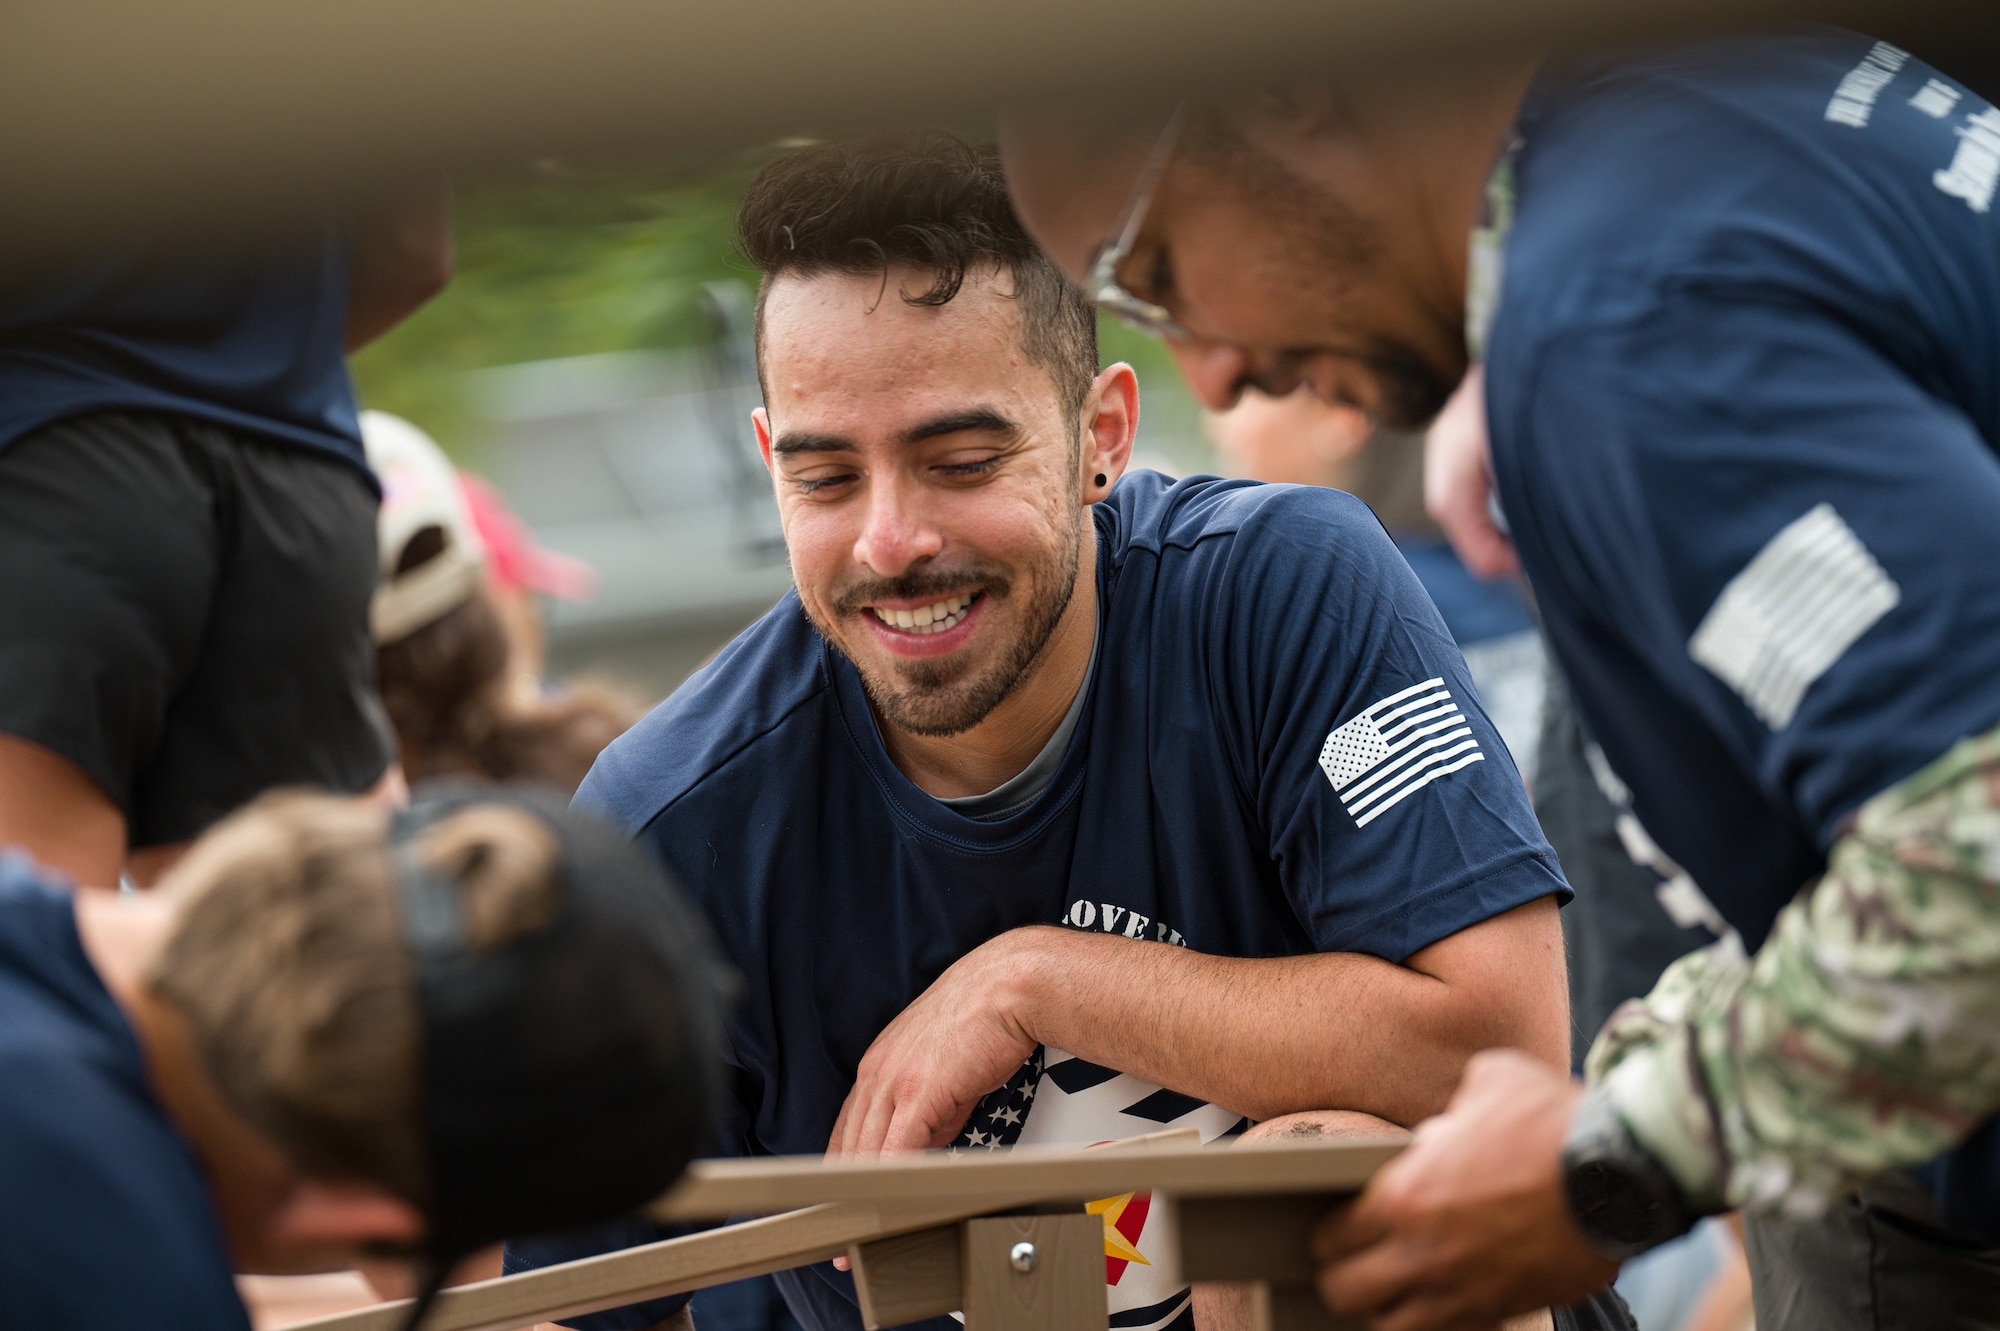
<point x="1618" y="1194"/>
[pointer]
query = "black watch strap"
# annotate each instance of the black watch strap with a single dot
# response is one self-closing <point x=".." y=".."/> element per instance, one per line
<point x="1620" y="1197"/>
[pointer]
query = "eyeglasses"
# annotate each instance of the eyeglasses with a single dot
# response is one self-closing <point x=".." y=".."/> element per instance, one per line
<point x="1105" y="290"/>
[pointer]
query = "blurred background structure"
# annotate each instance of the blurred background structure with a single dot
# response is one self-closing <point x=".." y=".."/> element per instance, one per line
<point x="593" y="360"/>
<point x="588" y="357"/>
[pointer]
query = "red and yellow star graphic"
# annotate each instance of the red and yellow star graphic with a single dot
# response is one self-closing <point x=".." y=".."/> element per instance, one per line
<point x="1124" y="1220"/>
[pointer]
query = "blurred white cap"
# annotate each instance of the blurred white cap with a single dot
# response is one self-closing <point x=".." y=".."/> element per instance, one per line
<point x="422" y="506"/>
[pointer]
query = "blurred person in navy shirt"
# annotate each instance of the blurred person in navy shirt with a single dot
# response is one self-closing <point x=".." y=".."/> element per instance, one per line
<point x="187" y="529"/>
<point x="1735" y="307"/>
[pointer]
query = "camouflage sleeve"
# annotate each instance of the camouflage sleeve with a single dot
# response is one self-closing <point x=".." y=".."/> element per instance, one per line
<point x="1864" y="1035"/>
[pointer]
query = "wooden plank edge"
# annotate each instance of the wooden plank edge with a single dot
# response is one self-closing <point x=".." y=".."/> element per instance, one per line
<point x="655" y="1270"/>
<point x="715" y="1188"/>
<point x="631" y="1275"/>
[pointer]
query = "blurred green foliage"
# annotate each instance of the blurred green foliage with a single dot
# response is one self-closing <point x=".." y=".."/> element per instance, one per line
<point x="577" y="262"/>
<point x="567" y="264"/>
<point x="1170" y="424"/>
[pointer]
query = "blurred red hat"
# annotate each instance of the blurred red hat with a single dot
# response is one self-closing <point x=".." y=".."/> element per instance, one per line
<point x="513" y="560"/>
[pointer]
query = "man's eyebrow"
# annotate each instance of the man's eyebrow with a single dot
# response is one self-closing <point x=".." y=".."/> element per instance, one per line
<point x="981" y="420"/>
<point x="805" y="441"/>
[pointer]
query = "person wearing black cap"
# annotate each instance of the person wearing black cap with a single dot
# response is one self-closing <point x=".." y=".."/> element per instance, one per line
<point x="338" y="1031"/>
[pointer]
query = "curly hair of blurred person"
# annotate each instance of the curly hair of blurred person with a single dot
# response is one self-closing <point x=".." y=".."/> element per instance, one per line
<point x="457" y="711"/>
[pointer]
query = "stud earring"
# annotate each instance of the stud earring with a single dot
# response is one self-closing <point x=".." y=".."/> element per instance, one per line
<point x="1100" y="480"/>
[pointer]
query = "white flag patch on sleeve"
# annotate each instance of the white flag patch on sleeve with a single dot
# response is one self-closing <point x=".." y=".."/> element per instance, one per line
<point x="1388" y="752"/>
<point x="1791" y="613"/>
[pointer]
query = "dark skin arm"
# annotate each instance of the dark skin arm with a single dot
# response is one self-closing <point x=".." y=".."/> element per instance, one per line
<point x="403" y="256"/>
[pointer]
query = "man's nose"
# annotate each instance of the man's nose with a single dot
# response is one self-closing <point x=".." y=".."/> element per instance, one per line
<point x="1217" y="372"/>
<point x="898" y="531"/>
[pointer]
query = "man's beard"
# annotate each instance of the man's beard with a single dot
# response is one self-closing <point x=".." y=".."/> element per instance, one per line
<point x="1413" y="391"/>
<point x="942" y="698"/>
<point x="1410" y="391"/>
<point x="1337" y="248"/>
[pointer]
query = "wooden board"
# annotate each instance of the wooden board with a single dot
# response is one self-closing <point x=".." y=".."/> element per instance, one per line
<point x="999" y="1180"/>
<point x="672" y="1266"/>
<point x="914" y="1276"/>
<point x="1063" y="1289"/>
<point x="1265" y="1242"/>
<point x="909" y="1278"/>
<point x="1250" y="1238"/>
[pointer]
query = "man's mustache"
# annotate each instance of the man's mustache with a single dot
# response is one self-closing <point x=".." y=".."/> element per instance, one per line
<point x="923" y="584"/>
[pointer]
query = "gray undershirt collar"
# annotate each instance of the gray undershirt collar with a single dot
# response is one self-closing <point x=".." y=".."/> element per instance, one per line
<point x="1024" y="788"/>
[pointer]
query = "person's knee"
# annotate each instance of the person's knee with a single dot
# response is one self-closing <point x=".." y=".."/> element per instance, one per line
<point x="1335" y="1123"/>
<point x="1230" y="1307"/>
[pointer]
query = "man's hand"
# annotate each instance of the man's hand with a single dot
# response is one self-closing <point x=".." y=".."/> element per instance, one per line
<point x="1470" y="1225"/>
<point x="1458" y="481"/>
<point x="929" y="1068"/>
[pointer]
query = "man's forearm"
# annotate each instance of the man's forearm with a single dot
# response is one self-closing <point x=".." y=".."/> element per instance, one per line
<point x="1279" y="1035"/>
<point x="1864" y="1036"/>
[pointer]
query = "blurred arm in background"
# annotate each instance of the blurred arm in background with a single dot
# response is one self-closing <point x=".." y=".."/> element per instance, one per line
<point x="1458" y="481"/>
<point x="403" y="256"/>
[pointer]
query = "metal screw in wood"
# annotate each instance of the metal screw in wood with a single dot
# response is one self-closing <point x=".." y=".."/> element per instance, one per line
<point x="1022" y="1257"/>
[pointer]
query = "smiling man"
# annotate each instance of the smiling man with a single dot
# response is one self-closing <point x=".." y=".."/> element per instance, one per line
<point x="1055" y="807"/>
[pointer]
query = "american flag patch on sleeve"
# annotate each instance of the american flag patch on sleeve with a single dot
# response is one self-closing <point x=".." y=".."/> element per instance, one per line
<point x="1388" y="752"/>
<point x="1792" y="613"/>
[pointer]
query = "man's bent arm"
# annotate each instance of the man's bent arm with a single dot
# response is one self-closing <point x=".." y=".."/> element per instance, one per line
<point x="1338" y="1030"/>
<point x="1261" y="1036"/>
<point x="1864" y="1036"/>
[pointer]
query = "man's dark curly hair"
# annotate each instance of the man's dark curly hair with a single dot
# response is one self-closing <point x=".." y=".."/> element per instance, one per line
<point x="928" y="200"/>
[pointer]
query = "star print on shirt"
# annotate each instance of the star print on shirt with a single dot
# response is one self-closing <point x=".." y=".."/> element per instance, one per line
<point x="998" y="1119"/>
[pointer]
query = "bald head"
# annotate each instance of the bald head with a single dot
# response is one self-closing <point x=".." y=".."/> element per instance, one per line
<point x="1072" y="171"/>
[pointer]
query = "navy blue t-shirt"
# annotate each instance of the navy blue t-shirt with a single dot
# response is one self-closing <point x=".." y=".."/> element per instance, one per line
<point x="1744" y="394"/>
<point x="105" y="1223"/>
<point x="249" y="337"/>
<point x="1279" y="754"/>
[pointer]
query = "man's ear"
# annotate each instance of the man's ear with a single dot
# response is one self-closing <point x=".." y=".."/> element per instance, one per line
<point x="344" y="1213"/>
<point x="1110" y="423"/>
<point x="760" y="421"/>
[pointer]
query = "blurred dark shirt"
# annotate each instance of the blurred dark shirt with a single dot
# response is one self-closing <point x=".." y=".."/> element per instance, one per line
<point x="248" y="336"/>
<point x="1744" y="405"/>
<point x="105" y="1218"/>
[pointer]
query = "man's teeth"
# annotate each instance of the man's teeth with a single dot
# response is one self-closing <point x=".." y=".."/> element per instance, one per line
<point x="933" y="618"/>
